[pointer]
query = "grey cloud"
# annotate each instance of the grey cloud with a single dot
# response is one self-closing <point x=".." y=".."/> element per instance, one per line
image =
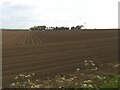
<point x="9" y="9"/>
<point x="21" y="7"/>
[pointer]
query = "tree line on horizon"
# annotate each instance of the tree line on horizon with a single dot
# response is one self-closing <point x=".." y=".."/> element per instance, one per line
<point x="56" y="28"/>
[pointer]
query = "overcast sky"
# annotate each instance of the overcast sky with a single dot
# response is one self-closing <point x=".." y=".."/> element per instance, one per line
<point x="27" y="13"/>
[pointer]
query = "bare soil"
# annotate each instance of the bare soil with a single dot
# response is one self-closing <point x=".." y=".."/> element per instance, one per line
<point x="50" y="53"/>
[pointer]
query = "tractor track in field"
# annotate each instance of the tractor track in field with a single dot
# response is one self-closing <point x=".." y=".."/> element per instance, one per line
<point x="53" y="54"/>
<point x="27" y="38"/>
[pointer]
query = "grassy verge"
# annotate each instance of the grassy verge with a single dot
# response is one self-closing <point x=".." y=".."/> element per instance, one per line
<point x="78" y="79"/>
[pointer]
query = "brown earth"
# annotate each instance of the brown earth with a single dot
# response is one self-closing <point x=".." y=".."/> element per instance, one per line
<point x="50" y="53"/>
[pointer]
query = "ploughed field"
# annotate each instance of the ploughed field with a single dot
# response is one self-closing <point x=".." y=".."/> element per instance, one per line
<point x="50" y="53"/>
